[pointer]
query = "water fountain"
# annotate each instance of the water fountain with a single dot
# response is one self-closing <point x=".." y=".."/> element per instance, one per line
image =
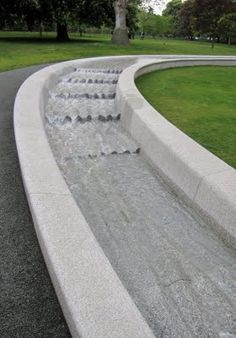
<point x="166" y="256"/>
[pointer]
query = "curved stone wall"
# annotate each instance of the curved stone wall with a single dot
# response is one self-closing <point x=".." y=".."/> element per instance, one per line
<point x="205" y="181"/>
<point x="93" y="299"/>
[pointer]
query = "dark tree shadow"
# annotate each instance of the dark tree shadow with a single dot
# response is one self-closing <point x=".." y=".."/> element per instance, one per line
<point x="48" y="40"/>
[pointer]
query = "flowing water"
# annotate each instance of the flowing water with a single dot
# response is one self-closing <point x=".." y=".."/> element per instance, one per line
<point x="178" y="272"/>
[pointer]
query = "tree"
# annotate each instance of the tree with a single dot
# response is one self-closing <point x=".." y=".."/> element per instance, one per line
<point x="122" y="8"/>
<point x="143" y="17"/>
<point x="7" y="13"/>
<point x="132" y="16"/>
<point x="172" y="8"/>
<point x="149" y="25"/>
<point x="185" y="20"/>
<point x="227" y="25"/>
<point x="60" y="12"/>
<point x="32" y="11"/>
<point x="29" y="10"/>
<point x="35" y="12"/>
<point x="88" y="13"/>
<point x="207" y="14"/>
<point x="155" y="25"/>
<point x="82" y="11"/>
<point x="120" y="34"/>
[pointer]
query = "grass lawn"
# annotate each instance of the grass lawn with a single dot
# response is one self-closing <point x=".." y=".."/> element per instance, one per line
<point x="201" y="101"/>
<point x="20" y="49"/>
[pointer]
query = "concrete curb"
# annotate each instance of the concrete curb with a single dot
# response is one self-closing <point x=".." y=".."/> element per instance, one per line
<point x="93" y="299"/>
<point x="207" y="183"/>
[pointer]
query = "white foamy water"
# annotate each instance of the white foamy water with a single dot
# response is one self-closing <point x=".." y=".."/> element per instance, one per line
<point x="178" y="272"/>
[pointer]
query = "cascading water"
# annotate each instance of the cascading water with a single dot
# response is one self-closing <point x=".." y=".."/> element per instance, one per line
<point x="180" y="274"/>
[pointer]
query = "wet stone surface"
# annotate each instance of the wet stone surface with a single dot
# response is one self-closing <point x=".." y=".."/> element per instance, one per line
<point x="178" y="272"/>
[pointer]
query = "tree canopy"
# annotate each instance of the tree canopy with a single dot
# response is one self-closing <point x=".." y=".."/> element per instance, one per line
<point x="209" y="18"/>
<point x="59" y="12"/>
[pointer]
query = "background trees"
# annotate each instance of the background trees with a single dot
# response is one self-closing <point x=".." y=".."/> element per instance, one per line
<point x="90" y="12"/>
<point x="155" y="25"/>
<point x="227" y="26"/>
<point x="7" y="13"/>
<point x="207" y="14"/>
<point x="185" y="20"/>
<point x="172" y="9"/>
<point x="208" y="19"/>
<point x="60" y="13"/>
<point x="211" y="19"/>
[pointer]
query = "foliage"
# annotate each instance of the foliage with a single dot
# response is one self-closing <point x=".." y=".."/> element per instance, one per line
<point x="132" y="15"/>
<point x="172" y="8"/>
<point x="209" y="18"/>
<point x="155" y="25"/>
<point x="185" y="20"/>
<point x="60" y="12"/>
<point x="227" y="25"/>
<point x="207" y="14"/>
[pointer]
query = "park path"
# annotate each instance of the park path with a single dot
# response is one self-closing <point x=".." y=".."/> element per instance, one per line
<point x="28" y="304"/>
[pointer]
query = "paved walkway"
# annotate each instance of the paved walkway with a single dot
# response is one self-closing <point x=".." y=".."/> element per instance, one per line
<point x="28" y="305"/>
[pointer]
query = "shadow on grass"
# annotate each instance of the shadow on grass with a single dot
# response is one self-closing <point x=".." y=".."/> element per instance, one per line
<point x="49" y="40"/>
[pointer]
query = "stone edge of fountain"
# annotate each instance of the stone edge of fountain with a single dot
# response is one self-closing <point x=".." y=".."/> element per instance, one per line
<point x="93" y="299"/>
<point x="204" y="181"/>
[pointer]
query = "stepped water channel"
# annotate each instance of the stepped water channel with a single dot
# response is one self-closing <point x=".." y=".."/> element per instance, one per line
<point x="181" y="276"/>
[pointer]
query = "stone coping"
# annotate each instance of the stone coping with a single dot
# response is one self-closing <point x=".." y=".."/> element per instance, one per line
<point x="92" y="297"/>
<point x="207" y="183"/>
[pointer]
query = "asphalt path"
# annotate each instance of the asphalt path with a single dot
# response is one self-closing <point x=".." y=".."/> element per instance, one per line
<point x="28" y="304"/>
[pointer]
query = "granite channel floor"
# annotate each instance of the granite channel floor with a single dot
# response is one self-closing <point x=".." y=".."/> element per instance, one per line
<point x="181" y="276"/>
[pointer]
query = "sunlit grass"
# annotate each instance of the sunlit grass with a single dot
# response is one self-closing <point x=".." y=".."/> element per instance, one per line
<point x="201" y="101"/>
<point x="20" y="49"/>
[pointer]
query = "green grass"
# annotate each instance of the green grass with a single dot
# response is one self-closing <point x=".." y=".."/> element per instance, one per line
<point x="201" y="101"/>
<point x="20" y="49"/>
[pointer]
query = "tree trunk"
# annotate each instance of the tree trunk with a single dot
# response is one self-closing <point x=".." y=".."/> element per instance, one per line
<point x="40" y="30"/>
<point x="213" y="42"/>
<point x="80" y="32"/>
<point x="229" y="40"/>
<point x="120" y="34"/>
<point x="62" y="34"/>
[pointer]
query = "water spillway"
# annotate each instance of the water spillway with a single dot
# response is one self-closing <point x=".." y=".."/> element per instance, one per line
<point x="179" y="273"/>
